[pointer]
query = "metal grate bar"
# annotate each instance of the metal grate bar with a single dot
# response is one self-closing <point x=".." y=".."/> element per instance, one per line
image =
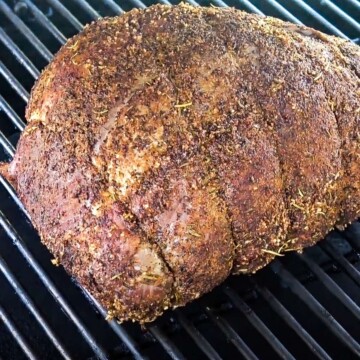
<point x="8" y="147"/>
<point x="13" y="195"/>
<point x="165" y="2"/>
<point x="248" y="5"/>
<point x="13" y="116"/>
<point x="4" y="317"/>
<point x="349" y="268"/>
<point x="331" y="285"/>
<point x="166" y="343"/>
<point x="117" y="328"/>
<point x="113" y="6"/>
<point x="192" y="2"/>
<point x="19" y="55"/>
<point x="284" y="12"/>
<point x="352" y="242"/>
<point x="45" y="22"/>
<point x="88" y="8"/>
<point x="319" y="18"/>
<point x="219" y="3"/>
<point x="18" y="242"/>
<point x="298" y="289"/>
<point x="292" y="322"/>
<point x="20" y="25"/>
<point x="273" y="341"/>
<point x="341" y="13"/>
<point x="13" y="82"/>
<point x="231" y="334"/>
<point x="200" y="341"/>
<point x="354" y="3"/>
<point x="66" y="14"/>
<point x="19" y="290"/>
<point x="139" y="4"/>
<point x="126" y="339"/>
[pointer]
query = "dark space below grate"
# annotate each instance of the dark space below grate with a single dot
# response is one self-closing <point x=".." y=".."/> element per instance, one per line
<point x="281" y="312"/>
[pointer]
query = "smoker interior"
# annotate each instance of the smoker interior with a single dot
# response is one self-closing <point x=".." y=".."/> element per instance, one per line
<point x="303" y="306"/>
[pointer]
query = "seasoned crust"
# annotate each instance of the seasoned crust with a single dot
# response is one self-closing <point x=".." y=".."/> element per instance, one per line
<point x="180" y="207"/>
<point x="249" y="172"/>
<point x="170" y="146"/>
<point x="94" y="237"/>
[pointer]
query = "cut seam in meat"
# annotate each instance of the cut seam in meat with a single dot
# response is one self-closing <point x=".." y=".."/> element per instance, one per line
<point x="285" y="199"/>
<point x="178" y="288"/>
<point x="272" y="137"/>
<point x="341" y="150"/>
<point x="159" y="252"/>
<point x="228" y="212"/>
<point x="336" y="122"/>
<point x="215" y="167"/>
<point x="145" y="235"/>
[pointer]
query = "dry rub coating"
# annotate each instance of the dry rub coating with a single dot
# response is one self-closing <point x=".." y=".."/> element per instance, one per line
<point x="169" y="147"/>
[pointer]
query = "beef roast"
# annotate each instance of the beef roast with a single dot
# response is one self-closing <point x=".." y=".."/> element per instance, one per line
<point x="170" y="147"/>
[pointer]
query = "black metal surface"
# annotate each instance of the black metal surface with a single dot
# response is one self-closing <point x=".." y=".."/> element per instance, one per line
<point x="301" y="306"/>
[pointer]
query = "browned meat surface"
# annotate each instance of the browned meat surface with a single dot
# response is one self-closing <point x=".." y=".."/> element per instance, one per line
<point x="169" y="147"/>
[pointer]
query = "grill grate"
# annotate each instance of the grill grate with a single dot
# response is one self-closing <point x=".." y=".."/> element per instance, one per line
<point x="302" y="306"/>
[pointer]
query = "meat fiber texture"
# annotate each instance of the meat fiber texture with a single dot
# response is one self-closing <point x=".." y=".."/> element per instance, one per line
<point x="170" y="147"/>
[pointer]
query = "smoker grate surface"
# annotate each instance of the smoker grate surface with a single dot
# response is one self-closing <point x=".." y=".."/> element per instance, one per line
<point x="302" y="306"/>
